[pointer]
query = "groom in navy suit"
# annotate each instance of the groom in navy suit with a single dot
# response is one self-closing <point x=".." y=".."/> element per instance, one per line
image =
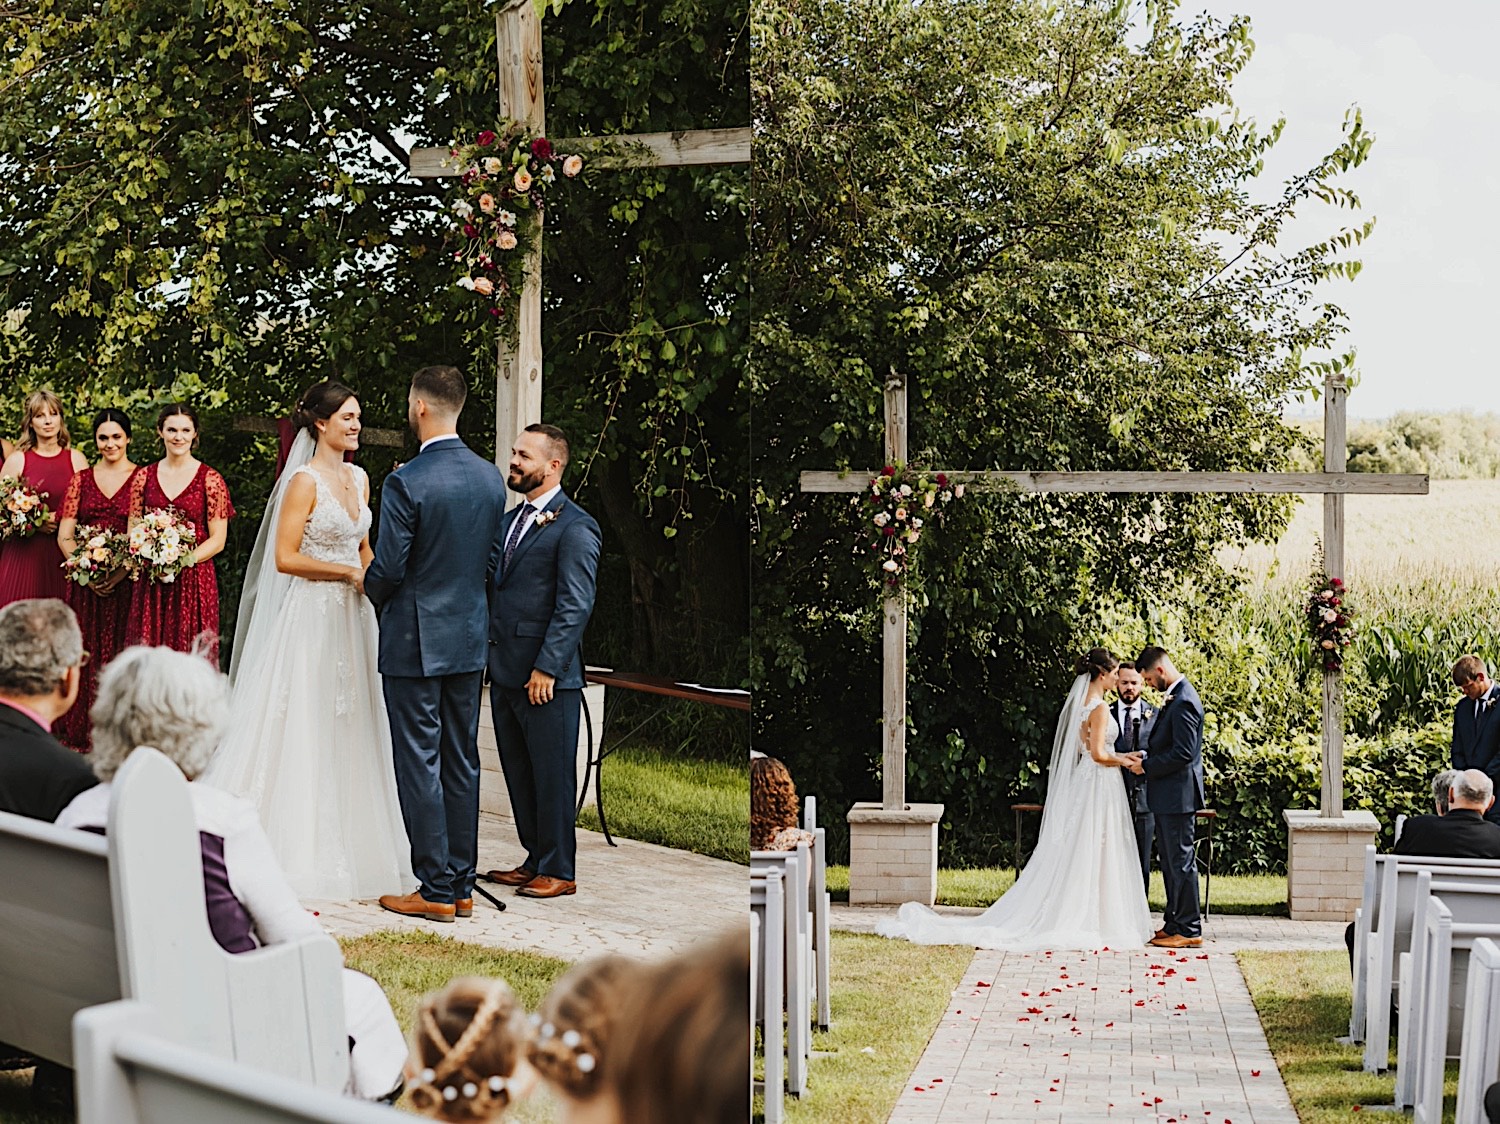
<point x="1174" y="769"/>
<point x="439" y="544"/>
<point x="1476" y="723"/>
<point x="542" y="598"/>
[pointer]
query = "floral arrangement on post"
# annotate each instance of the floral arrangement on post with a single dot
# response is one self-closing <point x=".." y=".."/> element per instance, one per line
<point x="161" y="545"/>
<point x="99" y="553"/>
<point x="503" y="187"/>
<point x="1330" y="620"/>
<point x="22" y="511"/>
<point x="898" y="504"/>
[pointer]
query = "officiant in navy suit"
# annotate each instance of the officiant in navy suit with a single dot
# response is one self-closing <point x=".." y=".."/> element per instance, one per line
<point x="1173" y="768"/>
<point x="439" y="539"/>
<point x="1135" y="717"/>
<point x="542" y="597"/>
<point x="1476" y="723"/>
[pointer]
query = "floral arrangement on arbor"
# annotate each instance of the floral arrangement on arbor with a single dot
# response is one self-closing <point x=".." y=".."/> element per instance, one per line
<point x="99" y="553"/>
<point x="161" y="545"/>
<point x="897" y="506"/>
<point x="503" y="188"/>
<point x="23" y="512"/>
<point x="1330" y="620"/>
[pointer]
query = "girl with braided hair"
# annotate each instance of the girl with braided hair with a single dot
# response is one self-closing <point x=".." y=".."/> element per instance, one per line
<point x="468" y="1056"/>
<point x="572" y="1029"/>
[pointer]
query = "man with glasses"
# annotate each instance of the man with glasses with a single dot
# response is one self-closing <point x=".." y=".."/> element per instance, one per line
<point x="41" y="660"/>
<point x="1476" y="723"/>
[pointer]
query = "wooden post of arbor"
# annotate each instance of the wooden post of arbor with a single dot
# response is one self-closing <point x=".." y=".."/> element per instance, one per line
<point x="1335" y="454"/>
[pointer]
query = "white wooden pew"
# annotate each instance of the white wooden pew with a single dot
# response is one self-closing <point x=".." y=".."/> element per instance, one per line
<point x="797" y="866"/>
<point x="822" y="907"/>
<point x="1391" y="935"/>
<point x="132" y="1069"/>
<point x="89" y="919"/>
<point x="1479" y="1053"/>
<point x="768" y="905"/>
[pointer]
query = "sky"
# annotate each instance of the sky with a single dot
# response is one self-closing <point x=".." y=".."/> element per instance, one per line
<point x="1422" y="311"/>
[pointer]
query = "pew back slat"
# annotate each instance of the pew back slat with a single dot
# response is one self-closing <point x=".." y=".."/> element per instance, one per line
<point x="1479" y="1055"/>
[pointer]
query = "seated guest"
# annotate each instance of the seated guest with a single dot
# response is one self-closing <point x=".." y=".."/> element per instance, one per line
<point x="468" y="1051"/>
<point x="1463" y="833"/>
<point x="176" y="703"/>
<point x="775" y="813"/>
<point x="681" y="1050"/>
<point x="41" y="654"/>
<point x="1441" y="785"/>
<point x="573" y="1029"/>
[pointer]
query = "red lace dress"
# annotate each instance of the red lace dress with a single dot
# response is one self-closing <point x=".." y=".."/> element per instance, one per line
<point x="175" y="614"/>
<point x="33" y="567"/>
<point x="102" y="619"/>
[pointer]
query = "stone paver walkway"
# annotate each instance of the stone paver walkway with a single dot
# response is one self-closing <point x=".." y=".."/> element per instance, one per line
<point x="1078" y="1038"/>
<point x="638" y="899"/>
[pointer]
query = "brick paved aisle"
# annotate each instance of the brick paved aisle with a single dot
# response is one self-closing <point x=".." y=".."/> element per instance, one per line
<point x="1073" y="1038"/>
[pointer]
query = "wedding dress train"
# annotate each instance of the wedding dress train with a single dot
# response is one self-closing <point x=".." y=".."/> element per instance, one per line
<point x="1081" y="888"/>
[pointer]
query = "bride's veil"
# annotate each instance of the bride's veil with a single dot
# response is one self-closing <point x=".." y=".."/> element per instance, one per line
<point x="265" y="586"/>
<point x="1067" y="745"/>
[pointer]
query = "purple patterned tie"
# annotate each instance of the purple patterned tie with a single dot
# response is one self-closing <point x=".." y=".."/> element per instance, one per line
<point x="523" y="517"/>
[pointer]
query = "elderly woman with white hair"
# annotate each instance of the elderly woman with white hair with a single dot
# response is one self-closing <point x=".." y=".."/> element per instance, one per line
<point x="176" y="702"/>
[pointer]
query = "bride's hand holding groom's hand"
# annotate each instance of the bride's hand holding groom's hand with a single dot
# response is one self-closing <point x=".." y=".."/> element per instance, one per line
<point x="356" y="578"/>
<point x="1133" y="762"/>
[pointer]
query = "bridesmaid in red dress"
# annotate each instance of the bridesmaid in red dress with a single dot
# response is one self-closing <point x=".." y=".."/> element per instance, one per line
<point x="98" y="497"/>
<point x="33" y="567"/>
<point x="177" y="614"/>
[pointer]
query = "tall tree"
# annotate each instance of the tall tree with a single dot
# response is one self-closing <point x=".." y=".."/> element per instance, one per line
<point x="1045" y="217"/>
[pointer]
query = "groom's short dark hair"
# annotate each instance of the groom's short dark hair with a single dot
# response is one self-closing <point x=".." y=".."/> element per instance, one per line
<point x="441" y="387"/>
<point x="1150" y="656"/>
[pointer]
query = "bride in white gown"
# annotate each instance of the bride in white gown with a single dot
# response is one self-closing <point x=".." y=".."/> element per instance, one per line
<point x="309" y="743"/>
<point x="1082" y="887"/>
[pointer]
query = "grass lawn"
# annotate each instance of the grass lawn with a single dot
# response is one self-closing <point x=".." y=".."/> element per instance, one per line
<point x="678" y="802"/>
<point x="1303" y="1000"/>
<point x="1260" y="894"/>
<point x="887" y="999"/>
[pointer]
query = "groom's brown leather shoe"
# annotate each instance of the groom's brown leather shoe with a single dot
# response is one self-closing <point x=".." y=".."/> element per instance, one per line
<point x="545" y="886"/>
<point x="517" y="877"/>
<point x="415" y="905"/>
<point x="1175" y="941"/>
<point x="463" y="907"/>
<point x="1158" y="935"/>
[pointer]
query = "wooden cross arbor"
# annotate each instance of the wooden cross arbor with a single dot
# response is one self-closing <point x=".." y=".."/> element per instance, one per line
<point x="518" y="49"/>
<point x="1334" y="483"/>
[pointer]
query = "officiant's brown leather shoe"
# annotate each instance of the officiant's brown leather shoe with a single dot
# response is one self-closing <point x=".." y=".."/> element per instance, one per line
<point x="463" y="907"/>
<point x="517" y="877"/>
<point x="545" y="886"/>
<point x="1175" y="941"/>
<point x="415" y="905"/>
<point x="1158" y="935"/>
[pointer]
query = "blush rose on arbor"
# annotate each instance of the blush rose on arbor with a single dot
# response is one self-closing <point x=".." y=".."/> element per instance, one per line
<point x="1330" y="620"/>
<point x="503" y="182"/>
<point x="895" y="510"/>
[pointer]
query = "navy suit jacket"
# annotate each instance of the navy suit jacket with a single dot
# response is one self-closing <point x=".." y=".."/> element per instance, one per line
<point x="1174" y="755"/>
<point x="1477" y="749"/>
<point x="1135" y="787"/>
<point x="1461" y="834"/>
<point x="540" y="603"/>
<point x="440" y="519"/>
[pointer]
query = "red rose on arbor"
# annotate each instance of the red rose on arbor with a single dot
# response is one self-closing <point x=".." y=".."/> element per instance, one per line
<point x="888" y="470"/>
<point x="541" y="148"/>
<point x="470" y="230"/>
<point x="485" y="137"/>
<point x="942" y="480"/>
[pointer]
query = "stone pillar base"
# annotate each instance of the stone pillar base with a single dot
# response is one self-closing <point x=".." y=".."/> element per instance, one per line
<point x="1325" y="863"/>
<point x="893" y="854"/>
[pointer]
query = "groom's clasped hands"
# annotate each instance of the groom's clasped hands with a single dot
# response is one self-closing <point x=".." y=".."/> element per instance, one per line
<point x="1134" y="762"/>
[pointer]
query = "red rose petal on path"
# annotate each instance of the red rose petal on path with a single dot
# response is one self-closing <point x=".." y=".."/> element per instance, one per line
<point x="1026" y="994"/>
<point x="1107" y="1025"/>
<point x="1255" y="1073"/>
<point x="1065" y="1055"/>
<point x="1191" y="979"/>
<point x="1203" y="957"/>
<point x="918" y="1089"/>
<point x="1158" y="1100"/>
<point x="1033" y="1010"/>
<point x="1180" y="1007"/>
<point x="936" y="1081"/>
<point x="981" y="983"/>
<point x="1023" y="1019"/>
<point x="1140" y="1002"/>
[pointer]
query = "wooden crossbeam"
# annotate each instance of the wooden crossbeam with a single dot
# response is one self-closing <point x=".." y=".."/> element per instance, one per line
<point x="393" y="438"/>
<point x="688" y="148"/>
<point x="1303" y="483"/>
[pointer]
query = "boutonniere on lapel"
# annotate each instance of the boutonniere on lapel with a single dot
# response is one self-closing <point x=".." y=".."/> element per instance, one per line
<point x="543" y="518"/>
<point x="1484" y="706"/>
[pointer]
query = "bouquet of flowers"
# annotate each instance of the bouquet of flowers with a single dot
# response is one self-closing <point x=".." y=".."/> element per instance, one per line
<point x="161" y="545"/>
<point x="22" y="510"/>
<point x="897" y="504"/>
<point x="1330" y="620"/>
<point x="99" y="553"/>
<point x="503" y="183"/>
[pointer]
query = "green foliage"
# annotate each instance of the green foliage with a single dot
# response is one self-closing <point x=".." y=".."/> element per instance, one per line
<point x="1046" y="220"/>
<point x="210" y="202"/>
<point x="1451" y="446"/>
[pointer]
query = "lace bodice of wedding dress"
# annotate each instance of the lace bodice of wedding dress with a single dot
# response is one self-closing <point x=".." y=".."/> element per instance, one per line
<point x="1082" y="887"/>
<point x="330" y="535"/>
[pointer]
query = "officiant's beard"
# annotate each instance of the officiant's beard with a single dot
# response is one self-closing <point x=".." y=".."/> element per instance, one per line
<point x="524" y="484"/>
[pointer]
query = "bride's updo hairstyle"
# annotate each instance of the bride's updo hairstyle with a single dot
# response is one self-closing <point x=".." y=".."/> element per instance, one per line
<point x="469" y="1042"/>
<point x="320" y="403"/>
<point x="1096" y="662"/>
